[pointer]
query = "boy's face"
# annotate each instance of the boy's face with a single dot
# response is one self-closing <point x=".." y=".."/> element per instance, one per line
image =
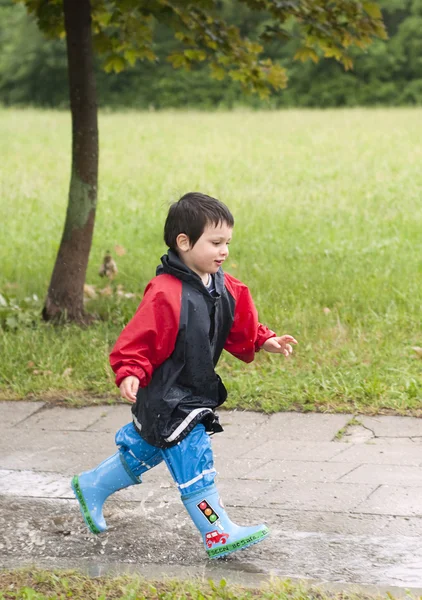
<point x="209" y="252"/>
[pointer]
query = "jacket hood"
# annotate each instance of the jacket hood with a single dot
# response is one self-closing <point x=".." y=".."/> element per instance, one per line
<point x="171" y="264"/>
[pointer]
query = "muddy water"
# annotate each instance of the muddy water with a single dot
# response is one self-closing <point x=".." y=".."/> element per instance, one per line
<point x="352" y="558"/>
<point x="161" y="540"/>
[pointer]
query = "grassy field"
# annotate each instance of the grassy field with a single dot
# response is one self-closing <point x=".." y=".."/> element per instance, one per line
<point x="36" y="584"/>
<point x="328" y="237"/>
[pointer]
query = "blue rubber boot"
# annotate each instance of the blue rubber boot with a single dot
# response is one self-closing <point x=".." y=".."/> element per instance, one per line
<point x="220" y="535"/>
<point x="123" y="469"/>
<point x="191" y="464"/>
<point x="92" y="488"/>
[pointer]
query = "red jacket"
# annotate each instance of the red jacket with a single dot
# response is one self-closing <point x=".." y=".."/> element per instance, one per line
<point x="173" y="343"/>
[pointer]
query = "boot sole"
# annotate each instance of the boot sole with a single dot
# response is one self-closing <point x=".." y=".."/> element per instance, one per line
<point x="83" y="506"/>
<point x="255" y="538"/>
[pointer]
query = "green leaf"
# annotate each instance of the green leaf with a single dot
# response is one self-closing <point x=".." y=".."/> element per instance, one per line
<point x="195" y="54"/>
<point x="178" y="60"/>
<point x="255" y="48"/>
<point x="114" y="63"/>
<point x="238" y="76"/>
<point x="277" y="77"/>
<point x="217" y="72"/>
<point x="372" y="9"/>
<point x="131" y="56"/>
<point x="304" y="53"/>
<point x="103" y="18"/>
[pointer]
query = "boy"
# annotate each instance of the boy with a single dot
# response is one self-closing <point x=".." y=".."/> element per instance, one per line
<point x="164" y="362"/>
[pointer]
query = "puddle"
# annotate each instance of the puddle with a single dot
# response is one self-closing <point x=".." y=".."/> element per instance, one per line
<point x="377" y="560"/>
<point x="40" y="524"/>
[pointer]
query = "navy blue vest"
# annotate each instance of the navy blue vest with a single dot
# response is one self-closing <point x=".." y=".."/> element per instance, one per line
<point x="185" y="389"/>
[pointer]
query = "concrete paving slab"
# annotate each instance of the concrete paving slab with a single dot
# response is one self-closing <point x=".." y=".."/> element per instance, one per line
<point x="28" y="484"/>
<point x="240" y="424"/>
<point x="358" y="529"/>
<point x="42" y="484"/>
<point x="345" y="523"/>
<point x="237" y="467"/>
<point x="387" y="426"/>
<point x="389" y="441"/>
<point x="294" y="450"/>
<point x="112" y="420"/>
<point x="235" y="448"/>
<point x="387" y="453"/>
<point x="385" y="474"/>
<point x="393" y="500"/>
<point x="285" y="470"/>
<point x="308" y="426"/>
<point x="66" y="452"/>
<point x="154" y="493"/>
<point x="12" y="413"/>
<point x="150" y="496"/>
<point x="356" y="434"/>
<point x="334" y="497"/>
<point x="398" y="525"/>
<point x="244" y="493"/>
<point x="65" y="419"/>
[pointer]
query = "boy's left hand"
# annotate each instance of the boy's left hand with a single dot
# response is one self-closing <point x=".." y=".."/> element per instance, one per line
<point x="280" y="345"/>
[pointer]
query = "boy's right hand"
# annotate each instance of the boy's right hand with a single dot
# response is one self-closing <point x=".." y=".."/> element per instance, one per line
<point x="129" y="387"/>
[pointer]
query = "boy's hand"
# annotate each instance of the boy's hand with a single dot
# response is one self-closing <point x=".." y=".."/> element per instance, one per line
<point x="129" y="387"/>
<point x="280" y="345"/>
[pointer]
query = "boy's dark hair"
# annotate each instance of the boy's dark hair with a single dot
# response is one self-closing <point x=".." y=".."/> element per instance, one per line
<point x="191" y="214"/>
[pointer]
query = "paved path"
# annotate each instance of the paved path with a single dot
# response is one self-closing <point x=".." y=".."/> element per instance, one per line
<point x="343" y="508"/>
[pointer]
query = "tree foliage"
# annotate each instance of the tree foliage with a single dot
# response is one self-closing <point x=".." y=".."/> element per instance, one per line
<point x="122" y="32"/>
<point x="209" y="32"/>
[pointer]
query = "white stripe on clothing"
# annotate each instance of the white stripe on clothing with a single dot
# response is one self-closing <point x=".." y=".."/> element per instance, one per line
<point x="191" y="416"/>
<point x="197" y="478"/>
<point x="137" y="423"/>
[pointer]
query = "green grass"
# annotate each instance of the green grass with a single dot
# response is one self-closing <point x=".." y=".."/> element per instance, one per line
<point x="328" y="237"/>
<point x="37" y="584"/>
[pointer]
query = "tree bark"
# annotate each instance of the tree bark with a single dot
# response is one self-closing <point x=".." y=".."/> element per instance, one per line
<point x="64" y="300"/>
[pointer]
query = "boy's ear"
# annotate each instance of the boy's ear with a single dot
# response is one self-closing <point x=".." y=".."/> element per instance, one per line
<point x="183" y="242"/>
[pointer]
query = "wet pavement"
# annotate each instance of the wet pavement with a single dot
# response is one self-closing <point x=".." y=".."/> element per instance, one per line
<point x="343" y="500"/>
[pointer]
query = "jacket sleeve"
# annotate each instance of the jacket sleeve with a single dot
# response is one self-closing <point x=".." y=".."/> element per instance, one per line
<point x="247" y="334"/>
<point x="149" y="338"/>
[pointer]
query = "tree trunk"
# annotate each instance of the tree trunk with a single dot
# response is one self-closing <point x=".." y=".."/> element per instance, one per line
<point x="65" y="293"/>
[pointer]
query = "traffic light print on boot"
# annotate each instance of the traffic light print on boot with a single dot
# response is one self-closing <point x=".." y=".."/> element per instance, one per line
<point x="208" y="512"/>
<point x="220" y="535"/>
